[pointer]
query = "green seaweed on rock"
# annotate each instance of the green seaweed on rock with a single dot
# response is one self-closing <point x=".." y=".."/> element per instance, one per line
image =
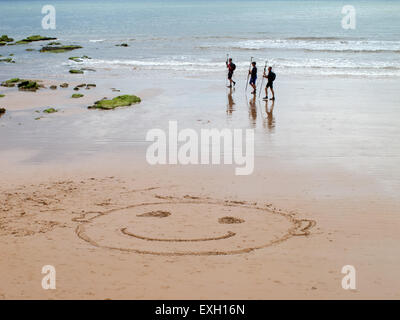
<point x="75" y="71"/>
<point x="35" y="38"/>
<point x="120" y="101"/>
<point x="59" y="49"/>
<point x="50" y="110"/>
<point x="28" y="85"/>
<point x="5" y="38"/>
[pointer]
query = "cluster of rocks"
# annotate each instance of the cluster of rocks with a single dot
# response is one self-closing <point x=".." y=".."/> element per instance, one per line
<point x="57" y="47"/>
<point x="22" y="84"/>
<point x="54" y="46"/>
<point x="84" y="85"/>
<point x="62" y="85"/>
<point x="4" y="39"/>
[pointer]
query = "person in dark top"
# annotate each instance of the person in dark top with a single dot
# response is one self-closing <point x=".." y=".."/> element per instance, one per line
<point x="253" y="77"/>
<point x="270" y="83"/>
<point x="231" y="68"/>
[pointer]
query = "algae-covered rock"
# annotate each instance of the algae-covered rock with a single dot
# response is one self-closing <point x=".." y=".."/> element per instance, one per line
<point x="50" y="110"/>
<point x="5" y="38"/>
<point x="122" y="45"/>
<point x="29" y="49"/>
<point x="35" y="38"/>
<point x="54" y="43"/>
<point x="2" y="95"/>
<point x="79" y="59"/>
<point x="120" y="101"/>
<point x="28" y="85"/>
<point x="75" y="71"/>
<point x="76" y="59"/>
<point x="64" y="85"/>
<point x="11" y="83"/>
<point x="59" y="49"/>
<point x="7" y="60"/>
<point x="53" y="87"/>
<point x="77" y="95"/>
<point x="2" y="110"/>
<point x="2" y="43"/>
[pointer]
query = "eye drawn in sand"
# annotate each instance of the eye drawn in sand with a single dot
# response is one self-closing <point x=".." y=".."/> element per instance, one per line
<point x="190" y="226"/>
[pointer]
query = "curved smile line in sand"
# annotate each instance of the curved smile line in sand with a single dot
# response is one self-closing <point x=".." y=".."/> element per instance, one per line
<point x="272" y="228"/>
<point x="229" y="234"/>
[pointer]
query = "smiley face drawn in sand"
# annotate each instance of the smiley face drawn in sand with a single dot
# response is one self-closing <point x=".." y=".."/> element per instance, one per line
<point x="195" y="227"/>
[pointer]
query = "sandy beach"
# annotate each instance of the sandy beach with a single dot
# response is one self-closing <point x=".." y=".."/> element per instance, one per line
<point x="78" y="194"/>
<point x="107" y="190"/>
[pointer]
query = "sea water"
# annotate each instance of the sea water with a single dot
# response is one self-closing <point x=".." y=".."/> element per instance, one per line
<point x="296" y="37"/>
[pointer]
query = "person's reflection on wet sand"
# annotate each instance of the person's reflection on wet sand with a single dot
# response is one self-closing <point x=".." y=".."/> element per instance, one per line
<point x="270" y="115"/>
<point x="231" y="103"/>
<point x="253" y="110"/>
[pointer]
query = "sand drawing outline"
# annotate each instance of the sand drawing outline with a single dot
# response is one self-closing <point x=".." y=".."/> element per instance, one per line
<point x="300" y="227"/>
<point x="229" y="234"/>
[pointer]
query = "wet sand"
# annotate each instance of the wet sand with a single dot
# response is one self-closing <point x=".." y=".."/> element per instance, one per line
<point x="75" y="187"/>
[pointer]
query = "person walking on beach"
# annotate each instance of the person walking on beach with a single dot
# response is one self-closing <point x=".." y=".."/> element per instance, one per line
<point x="231" y="68"/>
<point x="270" y="83"/>
<point x="253" y="77"/>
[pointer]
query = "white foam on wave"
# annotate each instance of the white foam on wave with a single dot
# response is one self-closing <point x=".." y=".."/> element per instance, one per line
<point x="310" y="44"/>
<point x="334" y="66"/>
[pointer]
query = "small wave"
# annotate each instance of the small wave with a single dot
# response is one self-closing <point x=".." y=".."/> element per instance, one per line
<point x="320" y="38"/>
<point x="285" y="66"/>
<point x="97" y="40"/>
<point x="354" y="51"/>
<point x="170" y="65"/>
<point x="331" y="45"/>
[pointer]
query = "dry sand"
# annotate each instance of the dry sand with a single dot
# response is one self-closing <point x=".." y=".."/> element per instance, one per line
<point x="289" y="244"/>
